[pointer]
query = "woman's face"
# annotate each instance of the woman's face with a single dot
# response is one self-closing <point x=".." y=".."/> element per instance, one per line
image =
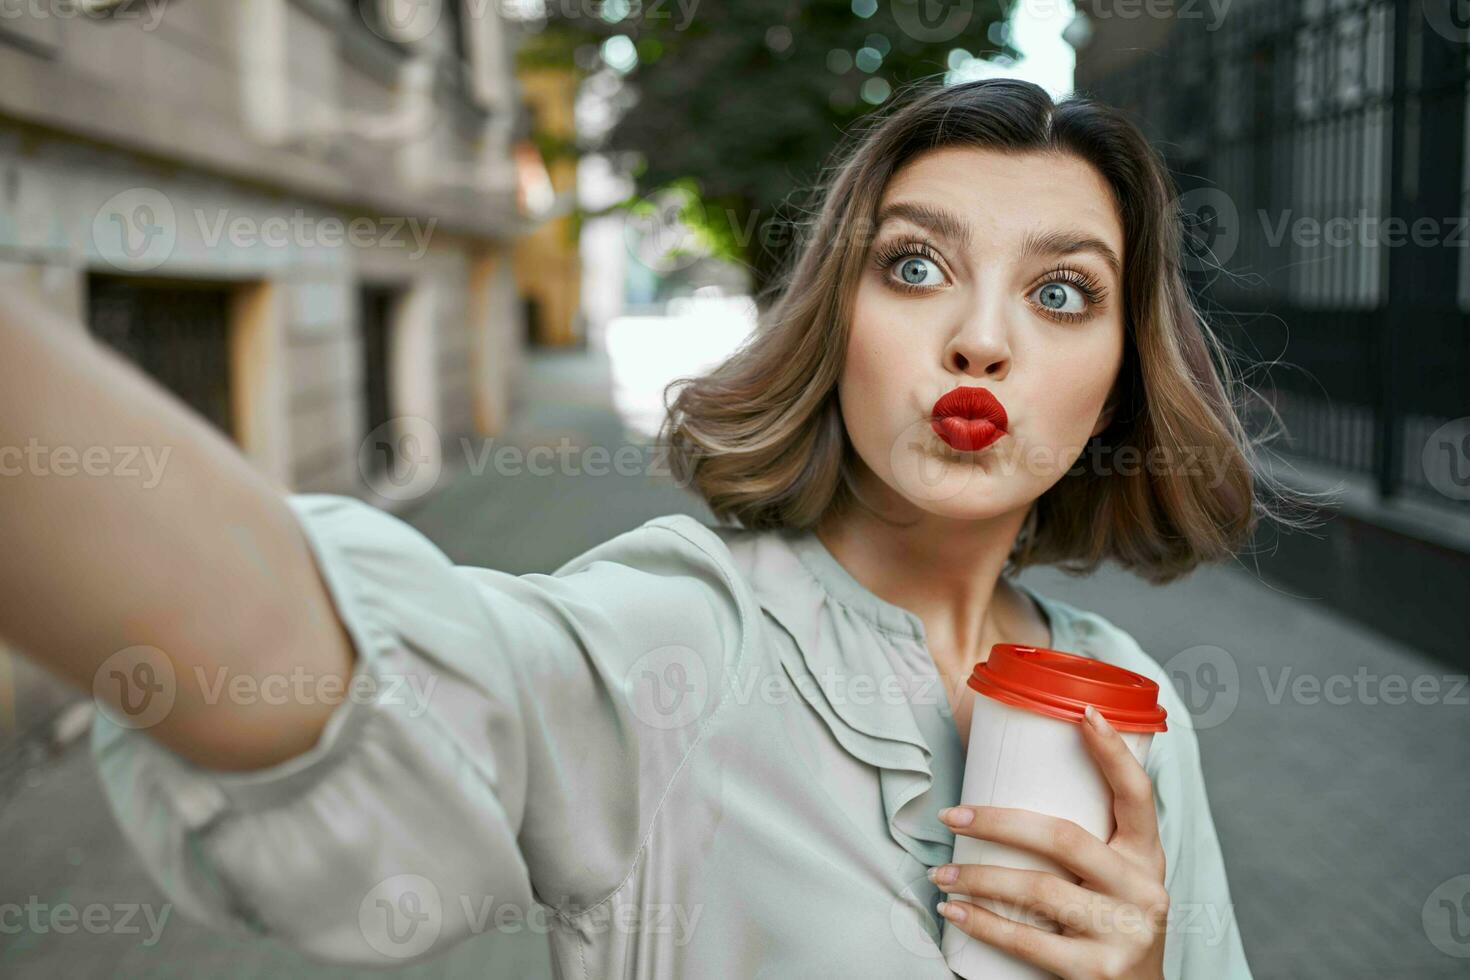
<point x="990" y="270"/>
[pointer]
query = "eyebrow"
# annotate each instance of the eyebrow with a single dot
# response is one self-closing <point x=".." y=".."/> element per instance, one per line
<point x="937" y="220"/>
<point x="957" y="231"/>
<point x="1070" y="242"/>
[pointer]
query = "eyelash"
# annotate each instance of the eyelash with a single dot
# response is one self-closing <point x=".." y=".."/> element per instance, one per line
<point x="887" y="256"/>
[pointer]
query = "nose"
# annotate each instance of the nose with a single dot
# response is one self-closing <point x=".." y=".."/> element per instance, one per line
<point x="980" y="346"/>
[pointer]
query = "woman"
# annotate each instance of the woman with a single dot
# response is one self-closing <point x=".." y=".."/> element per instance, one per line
<point x="704" y="751"/>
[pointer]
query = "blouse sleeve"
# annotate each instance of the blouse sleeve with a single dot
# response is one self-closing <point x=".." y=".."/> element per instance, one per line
<point x="503" y="743"/>
<point x="1203" y="940"/>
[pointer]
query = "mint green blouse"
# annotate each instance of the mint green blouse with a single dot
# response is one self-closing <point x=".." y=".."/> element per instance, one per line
<point x="691" y="751"/>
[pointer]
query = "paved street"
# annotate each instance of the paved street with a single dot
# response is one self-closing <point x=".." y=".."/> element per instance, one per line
<point x="1338" y="820"/>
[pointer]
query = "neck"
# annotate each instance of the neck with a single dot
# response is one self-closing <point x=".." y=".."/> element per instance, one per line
<point x="947" y="571"/>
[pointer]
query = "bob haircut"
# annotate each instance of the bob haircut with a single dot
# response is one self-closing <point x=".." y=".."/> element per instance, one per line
<point x="761" y="437"/>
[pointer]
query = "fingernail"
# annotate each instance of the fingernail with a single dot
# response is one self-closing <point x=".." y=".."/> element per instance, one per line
<point x="951" y="911"/>
<point x="1098" y="721"/>
<point x="958" y="816"/>
<point x="943" y="875"/>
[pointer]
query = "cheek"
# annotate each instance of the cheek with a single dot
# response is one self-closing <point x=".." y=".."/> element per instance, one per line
<point x="873" y="385"/>
<point x="873" y="374"/>
<point x="1077" y="384"/>
<point x="873" y="342"/>
<point x="856" y="394"/>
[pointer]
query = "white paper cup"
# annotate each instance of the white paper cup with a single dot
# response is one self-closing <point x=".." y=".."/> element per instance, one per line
<point x="1020" y="757"/>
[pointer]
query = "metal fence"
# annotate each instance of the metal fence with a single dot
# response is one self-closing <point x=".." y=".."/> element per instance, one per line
<point x="1319" y="146"/>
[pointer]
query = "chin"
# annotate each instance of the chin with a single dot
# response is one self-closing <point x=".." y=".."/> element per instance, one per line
<point x="967" y="506"/>
<point x="963" y="491"/>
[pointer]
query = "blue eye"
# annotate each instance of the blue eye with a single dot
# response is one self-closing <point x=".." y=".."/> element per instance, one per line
<point x="1055" y="296"/>
<point x="910" y="265"/>
<point x="912" y="271"/>
<point x="1068" y="294"/>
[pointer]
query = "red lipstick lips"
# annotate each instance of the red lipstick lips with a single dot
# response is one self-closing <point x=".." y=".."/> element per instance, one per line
<point x="969" y="418"/>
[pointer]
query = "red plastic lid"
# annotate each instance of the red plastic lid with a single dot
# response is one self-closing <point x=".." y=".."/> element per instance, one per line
<point x="1061" y="685"/>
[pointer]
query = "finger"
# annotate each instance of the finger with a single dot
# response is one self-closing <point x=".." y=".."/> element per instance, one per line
<point x="1064" y="903"/>
<point x="1060" y="955"/>
<point x="1064" y="841"/>
<point x="1133" y="790"/>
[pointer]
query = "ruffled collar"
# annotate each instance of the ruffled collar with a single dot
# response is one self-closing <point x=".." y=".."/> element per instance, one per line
<point x="840" y="584"/>
<point x="901" y="723"/>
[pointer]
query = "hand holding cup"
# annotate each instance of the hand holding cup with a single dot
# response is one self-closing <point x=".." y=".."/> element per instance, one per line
<point x="1113" y="920"/>
<point x="1058" y="869"/>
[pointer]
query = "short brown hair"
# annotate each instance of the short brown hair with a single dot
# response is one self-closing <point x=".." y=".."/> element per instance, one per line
<point x="761" y="437"/>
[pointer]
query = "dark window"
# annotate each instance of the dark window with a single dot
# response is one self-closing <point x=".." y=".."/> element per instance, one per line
<point x="532" y="309"/>
<point x="377" y="321"/>
<point x="178" y="333"/>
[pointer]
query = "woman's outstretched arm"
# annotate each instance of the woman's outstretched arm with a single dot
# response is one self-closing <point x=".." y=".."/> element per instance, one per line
<point x="207" y="565"/>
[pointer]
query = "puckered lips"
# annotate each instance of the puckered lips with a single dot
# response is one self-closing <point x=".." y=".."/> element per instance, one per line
<point x="969" y="418"/>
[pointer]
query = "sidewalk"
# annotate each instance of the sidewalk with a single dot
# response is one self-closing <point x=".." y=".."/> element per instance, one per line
<point x="1338" y="820"/>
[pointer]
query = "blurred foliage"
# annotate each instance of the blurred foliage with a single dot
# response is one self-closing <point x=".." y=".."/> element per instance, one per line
<point x="740" y="102"/>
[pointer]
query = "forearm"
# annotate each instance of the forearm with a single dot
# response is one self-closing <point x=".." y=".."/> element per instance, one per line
<point x="207" y="564"/>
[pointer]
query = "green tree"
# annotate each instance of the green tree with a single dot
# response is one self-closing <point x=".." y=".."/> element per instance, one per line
<point x="744" y="100"/>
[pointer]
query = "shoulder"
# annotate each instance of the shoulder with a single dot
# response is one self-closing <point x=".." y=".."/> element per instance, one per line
<point x="1095" y="635"/>
<point x="673" y="568"/>
<point x="675" y="536"/>
<point x="670" y="544"/>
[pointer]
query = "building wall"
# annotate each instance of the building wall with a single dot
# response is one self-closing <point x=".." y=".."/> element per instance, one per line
<point x="547" y="260"/>
<point x="287" y="152"/>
